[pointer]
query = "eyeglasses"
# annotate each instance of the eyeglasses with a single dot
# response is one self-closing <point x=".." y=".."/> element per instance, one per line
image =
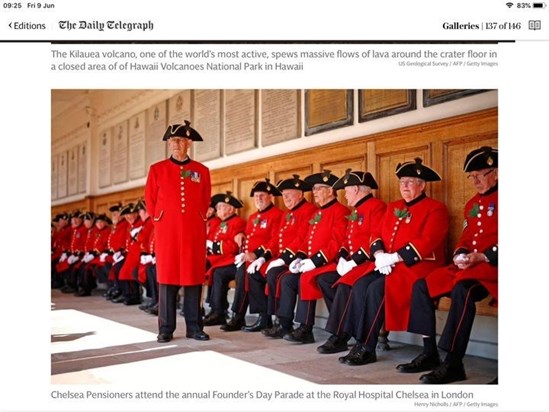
<point x="408" y="182"/>
<point x="479" y="176"/>
<point x="319" y="188"/>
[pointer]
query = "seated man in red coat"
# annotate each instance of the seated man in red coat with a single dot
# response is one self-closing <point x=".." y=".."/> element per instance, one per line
<point x="261" y="227"/>
<point x="472" y="277"/>
<point x="222" y="249"/>
<point x="317" y="251"/>
<point x="264" y="274"/>
<point x="410" y="244"/>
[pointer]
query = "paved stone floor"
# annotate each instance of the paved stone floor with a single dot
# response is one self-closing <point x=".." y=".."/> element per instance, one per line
<point x="90" y="333"/>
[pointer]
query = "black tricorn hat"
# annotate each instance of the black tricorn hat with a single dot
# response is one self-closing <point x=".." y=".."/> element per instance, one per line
<point x="417" y="169"/>
<point x="103" y="217"/>
<point x="115" y="208"/>
<point x="323" y="178"/>
<point x="140" y="205"/>
<point x="88" y="216"/>
<point x="484" y="158"/>
<point x="126" y="210"/>
<point x="182" y="130"/>
<point x="77" y="213"/>
<point x="293" y="183"/>
<point x="264" y="186"/>
<point x="226" y="198"/>
<point x="57" y="217"/>
<point x="356" y="178"/>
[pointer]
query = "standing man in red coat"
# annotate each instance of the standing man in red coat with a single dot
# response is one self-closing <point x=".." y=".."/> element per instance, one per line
<point x="410" y="244"/>
<point x="472" y="277"/>
<point x="177" y="195"/>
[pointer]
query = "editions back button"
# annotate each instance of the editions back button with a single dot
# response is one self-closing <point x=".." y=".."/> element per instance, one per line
<point x="22" y="25"/>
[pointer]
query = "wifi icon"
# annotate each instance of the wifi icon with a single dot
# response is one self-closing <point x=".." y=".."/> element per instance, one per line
<point x="509" y="4"/>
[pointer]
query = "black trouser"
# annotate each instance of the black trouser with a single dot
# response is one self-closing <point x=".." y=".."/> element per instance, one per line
<point x="167" y="308"/>
<point x="325" y="283"/>
<point x="461" y="315"/>
<point x="130" y="288"/>
<point x="367" y="309"/>
<point x="256" y="295"/>
<point x="220" y="287"/>
<point x="241" y="299"/>
<point x="152" y="284"/>
<point x="273" y="277"/>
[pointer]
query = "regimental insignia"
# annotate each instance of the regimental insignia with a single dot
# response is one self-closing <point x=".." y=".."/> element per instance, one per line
<point x="185" y="173"/>
<point x="491" y="209"/>
<point x="263" y="224"/>
<point x="195" y="177"/>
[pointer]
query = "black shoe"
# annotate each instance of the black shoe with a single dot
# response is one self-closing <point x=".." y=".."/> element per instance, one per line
<point x="334" y="344"/>
<point x="199" y="335"/>
<point x="352" y="352"/>
<point x="121" y="298"/>
<point x="132" y="301"/>
<point x="144" y="306"/>
<point x="83" y="292"/>
<point x="445" y="373"/>
<point x="164" y="337"/>
<point x="215" y="318"/>
<point x="153" y="310"/>
<point x="276" y="332"/>
<point x="234" y="324"/>
<point x="361" y="356"/>
<point x="303" y="334"/>
<point x="115" y="294"/>
<point x="262" y="322"/>
<point x="420" y="363"/>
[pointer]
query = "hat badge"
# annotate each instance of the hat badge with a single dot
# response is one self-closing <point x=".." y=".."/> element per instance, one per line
<point x="489" y="161"/>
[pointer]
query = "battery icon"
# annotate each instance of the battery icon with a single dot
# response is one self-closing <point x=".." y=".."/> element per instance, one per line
<point x="539" y="5"/>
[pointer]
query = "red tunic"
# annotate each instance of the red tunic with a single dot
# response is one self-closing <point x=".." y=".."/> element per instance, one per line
<point x="261" y="228"/>
<point x="361" y="223"/>
<point x="177" y="195"/>
<point x="224" y="247"/>
<point x="480" y="234"/>
<point x="418" y="235"/>
<point x="135" y="247"/>
<point x="101" y="245"/>
<point x="321" y="244"/>
<point x="61" y="241"/>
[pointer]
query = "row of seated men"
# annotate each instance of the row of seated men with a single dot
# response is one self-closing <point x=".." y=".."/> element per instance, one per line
<point x="373" y="263"/>
<point x="116" y="250"/>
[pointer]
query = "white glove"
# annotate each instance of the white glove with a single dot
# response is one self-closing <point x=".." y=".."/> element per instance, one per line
<point x="275" y="263"/>
<point x="72" y="259"/>
<point x="461" y="260"/>
<point x="146" y="259"/>
<point x="103" y="256"/>
<point x="295" y="265"/>
<point x="386" y="259"/>
<point x="135" y="231"/>
<point x="63" y="257"/>
<point x="345" y="266"/>
<point x="306" y="265"/>
<point x="153" y="261"/>
<point x="385" y="270"/>
<point x="239" y="259"/>
<point x="255" y="265"/>
<point x="209" y="244"/>
<point x="117" y="257"/>
<point x="88" y="257"/>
